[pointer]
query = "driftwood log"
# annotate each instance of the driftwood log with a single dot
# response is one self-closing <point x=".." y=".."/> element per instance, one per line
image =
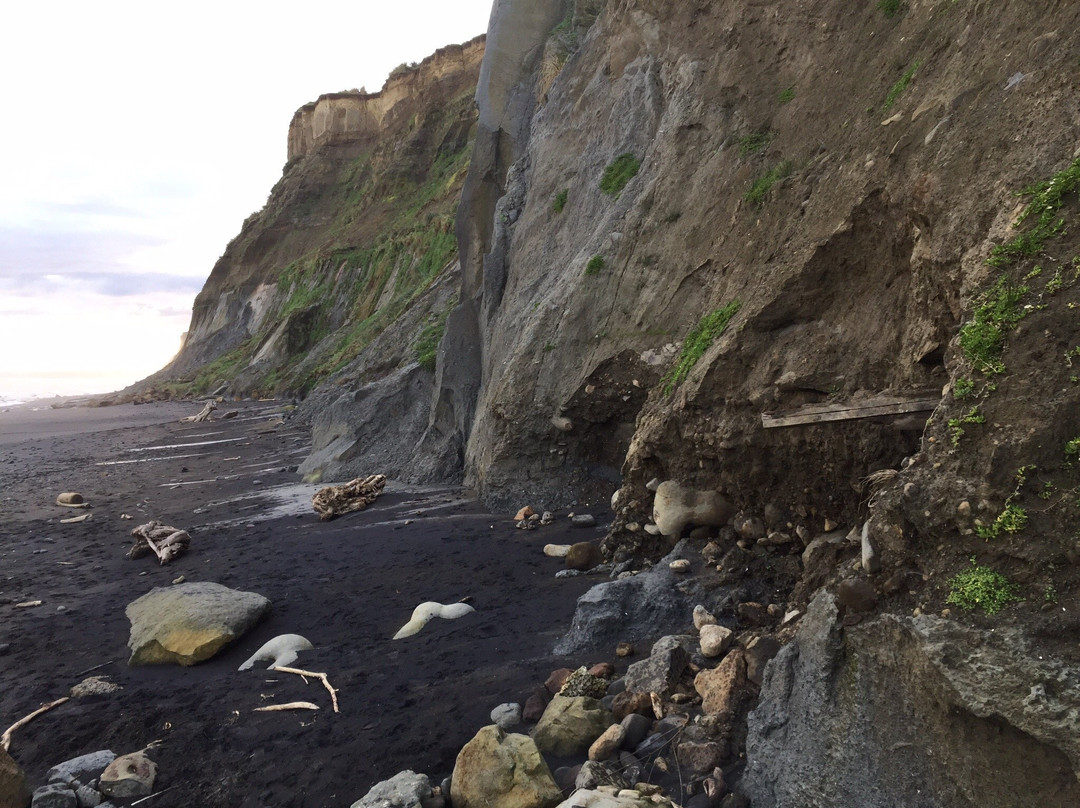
<point x="164" y="541"/>
<point x="352" y="496"/>
<point x="5" y="739"/>
<point x="204" y="414"/>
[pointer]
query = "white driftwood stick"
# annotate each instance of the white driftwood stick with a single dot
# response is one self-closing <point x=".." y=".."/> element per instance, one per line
<point x="320" y="676"/>
<point x="292" y="705"/>
<point x="5" y="740"/>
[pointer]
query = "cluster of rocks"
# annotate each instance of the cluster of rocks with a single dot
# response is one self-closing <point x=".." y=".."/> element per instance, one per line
<point x="95" y="780"/>
<point x="670" y="731"/>
<point x="528" y="519"/>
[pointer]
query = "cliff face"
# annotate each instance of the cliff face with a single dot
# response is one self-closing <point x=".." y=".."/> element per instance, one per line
<point x="355" y="237"/>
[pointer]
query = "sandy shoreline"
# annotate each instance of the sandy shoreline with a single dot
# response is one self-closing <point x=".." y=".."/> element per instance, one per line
<point x="347" y="585"/>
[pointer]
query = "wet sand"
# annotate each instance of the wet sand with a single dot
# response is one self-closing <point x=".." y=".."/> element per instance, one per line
<point x="347" y="585"/>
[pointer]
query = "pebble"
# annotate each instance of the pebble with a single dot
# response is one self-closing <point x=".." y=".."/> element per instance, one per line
<point x="679" y="565"/>
<point x="506" y="715"/>
<point x="624" y="649"/>
<point x="702" y="617"/>
<point x="583" y="520"/>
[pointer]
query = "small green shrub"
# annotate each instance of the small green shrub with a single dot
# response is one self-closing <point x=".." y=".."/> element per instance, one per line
<point x="560" y="200"/>
<point x="698" y="341"/>
<point x="983" y="339"/>
<point x="901" y="84"/>
<point x="762" y="185"/>
<point x="1072" y="450"/>
<point x="1046" y="200"/>
<point x="427" y="344"/>
<point x="1012" y="519"/>
<point x="749" y="144"/>
<point x="596" y="263"/>
<point x="982" y="588"/>
<point x="890" y="8"/>
<point x="785" y="96"/>
<point x="623" y="169"/>
<point x="963" y="389"/>
<point x="956" y="429"/>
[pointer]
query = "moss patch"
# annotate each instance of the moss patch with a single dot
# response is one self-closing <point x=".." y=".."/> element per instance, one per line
<point x="623" y="169"/>
<point x="700" y="338"/>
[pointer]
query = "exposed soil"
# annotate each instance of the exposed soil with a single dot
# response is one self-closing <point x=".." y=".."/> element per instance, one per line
<point x="346" y="585"/>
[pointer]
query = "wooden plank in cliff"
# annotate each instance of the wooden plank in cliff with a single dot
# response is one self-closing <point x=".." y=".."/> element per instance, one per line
<point x="873" y="407"/>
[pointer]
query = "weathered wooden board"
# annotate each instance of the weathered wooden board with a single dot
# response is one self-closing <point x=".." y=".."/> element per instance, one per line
<point x="851" y="410"/>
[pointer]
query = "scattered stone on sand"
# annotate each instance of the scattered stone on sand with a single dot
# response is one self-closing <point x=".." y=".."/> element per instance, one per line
<point x="500" y="770"/>
<point x="674" y="507"/>
<point x="72" y="499"/>
<point x="583" y="520"/>
<point x="557" y="550"/>
<point x="164" y="541"/>
<point x="506" y="716"/>
<point x="14" y="789"/>
<point x="94" y="686"/>
<point x="524" y="513"/>
<point x="583" y="556"/>
<point x="189" y="623"/>
<point x="547" y="518"/>
<point x="129" y="776"/>
<point x="624" y="649"/>
<point x="354" y="495"/>
<point x="570" y="725"/>
<point x="405" y="789"/>
<point x="583" y="683"/>
<point x="715" y="640"/>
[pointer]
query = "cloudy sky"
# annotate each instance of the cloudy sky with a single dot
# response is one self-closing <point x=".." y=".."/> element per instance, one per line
<point x="137" y="137"/>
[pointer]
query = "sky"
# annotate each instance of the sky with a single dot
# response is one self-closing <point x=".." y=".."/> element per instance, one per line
<point x="137" y="137"/>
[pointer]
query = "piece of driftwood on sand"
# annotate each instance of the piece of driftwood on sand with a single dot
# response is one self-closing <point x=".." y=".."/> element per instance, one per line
<point x="354" y="495"/>
<point x="320" y="676"/>
<point x="5" y="739"/>
<point x="164" y="541"/>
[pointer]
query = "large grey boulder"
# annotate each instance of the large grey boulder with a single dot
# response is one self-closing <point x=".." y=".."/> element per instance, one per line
<point x="405" y="789"/>
<point x="633" y="609"/>
<point x="14" y="790"/>
<point x="189" y="623"/>
<point x="912" y="711"/>
<point x="83" y="768"/>
<point x="500" y="770"/>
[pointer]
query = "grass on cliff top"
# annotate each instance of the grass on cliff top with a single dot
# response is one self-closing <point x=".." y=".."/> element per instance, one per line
<point x="700" y="338"/>
<point x="982" y="588"/>
<point x="623" y="169"/>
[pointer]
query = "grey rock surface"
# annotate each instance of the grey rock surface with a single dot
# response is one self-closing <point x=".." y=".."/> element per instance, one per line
<point x="631" y="609"/>
<point x="54" y="795"/>
<point x="405" y="789"/>
<point x="914" y="712"/>
<point x="659" y="673"/>
<point x="83" y="768"/>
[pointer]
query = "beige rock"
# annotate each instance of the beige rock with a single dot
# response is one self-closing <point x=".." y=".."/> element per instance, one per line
<point x="607" y="745"/>
<point x="557" y="550"/>
<point x="129" y="776"/>
<point x="703" y="617"/>
<point x="189" y="623"/>
<point x="570" y="725"/>
<point x="715" y="640"/>
<point x="524" y="513"/>
<point x="500" y="770"/>
<point x="679" y="565"/>
<point x="719" y="688"/>
<point x="674" y="507"/>
<point x="14" y="790"/>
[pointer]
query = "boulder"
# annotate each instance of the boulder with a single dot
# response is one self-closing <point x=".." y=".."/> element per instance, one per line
<point x="720" y="687"/>
<point x="506" y="715"/>
<point x="659" y="673"/>
<point x="633" y="609"/>
<point x="405" y="789"/>
<point x="83" y="768"/>
<point x="583" y="683"/>
<point x="189" y="623"/>
<point x="129" y="776"/>
<point x="55" y="795"/>
<point x="583" y="556"/>
<point x="570" y="725"/>
<point x="632" y="703"/>
<point x="674" y="507"/>
<point x="624" y="798"/>
<point x="14" y="790"/>
<point x="715" y="640"/>
<point x="635" y="728"/>
<point x="500" y="770"/>
<point x="891" y="704"/>
<point x="608" y="744"/>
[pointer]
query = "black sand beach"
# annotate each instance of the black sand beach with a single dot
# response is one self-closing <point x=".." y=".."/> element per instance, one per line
<point x="347" y="585"/>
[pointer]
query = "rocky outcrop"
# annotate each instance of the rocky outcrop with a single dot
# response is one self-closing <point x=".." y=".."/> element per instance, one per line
<point x="188" y="623"/>
<point x="912" y="711"/>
